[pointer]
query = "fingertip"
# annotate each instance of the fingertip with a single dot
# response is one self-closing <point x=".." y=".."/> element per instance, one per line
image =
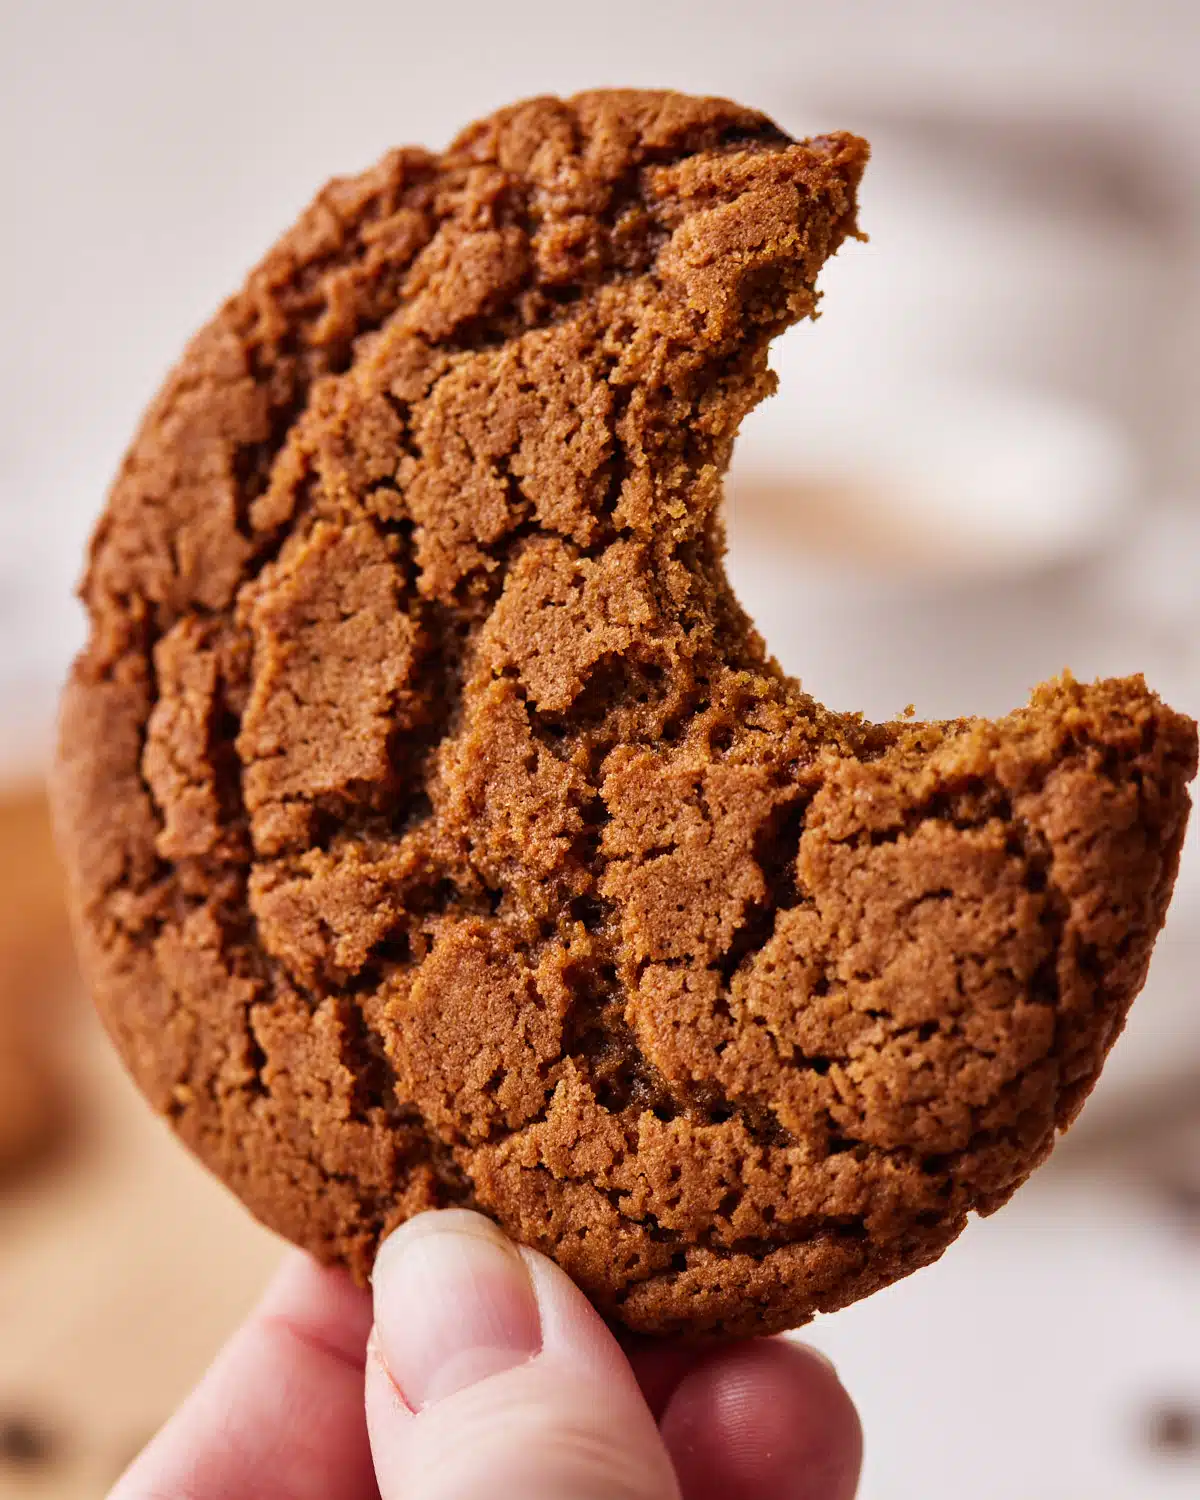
<point x="490" y="1373"/>
<point x="319" y="1305"/>
<point x="659" y="1365"/>
<point x="768" y="1417"/>
<point x="279" y="1415"/>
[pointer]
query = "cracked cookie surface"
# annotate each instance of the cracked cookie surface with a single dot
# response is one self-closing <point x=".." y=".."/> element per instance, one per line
<point x="440" y="830"/>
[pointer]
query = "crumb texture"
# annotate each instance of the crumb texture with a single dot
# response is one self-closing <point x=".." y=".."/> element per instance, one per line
<point x="440" y="830"/>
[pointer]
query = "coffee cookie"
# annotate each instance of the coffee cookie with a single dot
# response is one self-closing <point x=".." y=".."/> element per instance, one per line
<point x="440" y="829"/>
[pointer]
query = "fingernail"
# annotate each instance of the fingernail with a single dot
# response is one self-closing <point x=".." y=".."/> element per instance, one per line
<point x="453" y="1305"/>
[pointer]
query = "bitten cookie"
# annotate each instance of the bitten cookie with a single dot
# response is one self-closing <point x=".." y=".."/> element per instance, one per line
<point x="440" y="829"/>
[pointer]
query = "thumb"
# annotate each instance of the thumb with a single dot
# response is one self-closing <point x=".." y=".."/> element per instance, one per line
<point x="489" y="1373"/>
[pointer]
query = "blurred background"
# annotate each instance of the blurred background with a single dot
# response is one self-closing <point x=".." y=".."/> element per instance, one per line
<point x="983" y="465"/>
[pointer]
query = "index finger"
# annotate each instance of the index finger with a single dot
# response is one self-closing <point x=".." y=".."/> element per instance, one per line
<point x="279" y="1415"/>
<point x="750" y="1420"/>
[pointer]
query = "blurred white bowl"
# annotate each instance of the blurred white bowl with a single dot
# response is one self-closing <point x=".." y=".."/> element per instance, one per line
<point x="929" y="474"/>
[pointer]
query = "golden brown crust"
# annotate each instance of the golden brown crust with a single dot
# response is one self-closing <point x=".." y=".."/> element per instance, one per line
<point x="441" y="832"/>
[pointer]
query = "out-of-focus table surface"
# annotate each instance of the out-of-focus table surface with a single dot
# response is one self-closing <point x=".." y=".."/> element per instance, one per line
<point x="122" y="1266"/>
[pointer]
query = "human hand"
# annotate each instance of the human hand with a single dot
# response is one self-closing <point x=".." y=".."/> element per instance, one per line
<point x="487" y="1373"/>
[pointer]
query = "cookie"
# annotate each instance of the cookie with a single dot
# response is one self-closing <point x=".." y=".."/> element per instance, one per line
<point x="441" y="831"/>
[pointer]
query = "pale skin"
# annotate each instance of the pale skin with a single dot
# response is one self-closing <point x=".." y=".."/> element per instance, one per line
<point x="479" y="1370"/>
